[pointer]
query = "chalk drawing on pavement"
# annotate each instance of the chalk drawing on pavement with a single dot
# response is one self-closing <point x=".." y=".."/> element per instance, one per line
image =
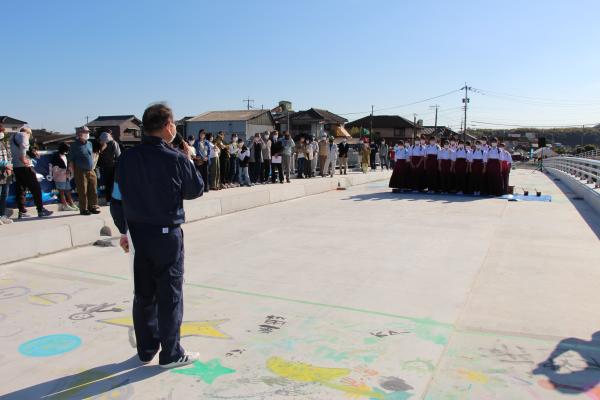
<point x="51" y="345"/>
<point x="208" y="329"/>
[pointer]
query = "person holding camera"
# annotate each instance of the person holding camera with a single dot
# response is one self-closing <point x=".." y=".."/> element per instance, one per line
<point x="6" y="176"/>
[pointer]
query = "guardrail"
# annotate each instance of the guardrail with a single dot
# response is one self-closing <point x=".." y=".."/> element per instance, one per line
<point x="590" y="154"/>
<point x="586" y="169"/>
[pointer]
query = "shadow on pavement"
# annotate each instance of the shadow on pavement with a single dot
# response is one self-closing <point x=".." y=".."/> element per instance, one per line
<point x="92" y="382"/>
<point x="585" y="210"/>
<point x="572" y="375"/>
<point x="410" y="196"/>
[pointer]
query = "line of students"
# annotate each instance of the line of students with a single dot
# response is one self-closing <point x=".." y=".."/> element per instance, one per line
<point x="454" y="167"/>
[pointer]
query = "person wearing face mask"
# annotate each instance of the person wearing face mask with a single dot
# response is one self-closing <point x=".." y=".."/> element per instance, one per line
<point x="25" y="175"/>
<point x="459" y="168"/>
<point x="6" y="176"/>
<point x="417" y="165"/>
<point x="343" y="149"/>
<point x="202" y="157"/>
<point x="399" y="180"/>
<point x="332" y="156"/>
<point x="301" y="149"/>
<point x="61" y="177"/>
<point x="81" y="165"/>
<point x="214" y="166"/>
<point x="266" y="154"/>
<point x="493" y="167"/>
<point x="287" y="155"/>
<point x="384" y="155"/>
<point x="154" y="179"/>
<point x="234" y="161"/>
<point x="365" y="157"/>
<point x="322" y="155"/>
<point x="444" y="158"/>
<point x="256" y="159"/>
<point x="276" y="158"/>
<point x="109" y="153"/>
<point x="484" y="143"/>
<point x="431" y="165"/>
<point x="477" y="169"/>
<point x="506" y="166"/>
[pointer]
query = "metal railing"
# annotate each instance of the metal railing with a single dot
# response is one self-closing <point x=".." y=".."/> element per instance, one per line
<point x="590" y="154"/>
<point x="586" y="169"/>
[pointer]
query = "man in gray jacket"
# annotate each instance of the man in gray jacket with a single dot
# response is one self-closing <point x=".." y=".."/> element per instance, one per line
<point x="384" y="155"/>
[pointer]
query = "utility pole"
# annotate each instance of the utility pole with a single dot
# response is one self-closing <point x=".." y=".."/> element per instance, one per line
<point x="371" y="128"/>
<point x="436" y="112"/>
<point x="582" y="132"/>
<point x="465" y="100"/>
<point x="247" y="101"/>
<point x="87" y="119"/>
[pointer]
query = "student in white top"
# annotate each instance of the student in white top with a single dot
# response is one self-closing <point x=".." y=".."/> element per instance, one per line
<point x="400" y="176"/>
<point x="431" y="165"/>
<point x="417" y="164"/>
<point x="493" y="168"/>
<point x="506" y="166"/>
<point x="460" y="167"/>
<point x="477" y="169"/>
<point x="444" y="167"/>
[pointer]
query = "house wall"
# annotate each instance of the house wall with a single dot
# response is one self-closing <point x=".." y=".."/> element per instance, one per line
<point x="229" y="127"/>
<point x="252" y="129"/>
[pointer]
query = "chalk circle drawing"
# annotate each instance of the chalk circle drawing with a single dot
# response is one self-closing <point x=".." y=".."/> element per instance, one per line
<point x="51" y="345"/>
<point x="48" y="299"/>
<point x="13" y="291"/>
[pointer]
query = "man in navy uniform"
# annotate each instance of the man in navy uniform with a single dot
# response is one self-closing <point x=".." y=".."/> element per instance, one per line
<point x="152" y="181"/>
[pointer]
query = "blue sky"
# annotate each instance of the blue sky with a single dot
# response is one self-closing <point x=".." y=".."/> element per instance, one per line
<point x="534" y="62"/>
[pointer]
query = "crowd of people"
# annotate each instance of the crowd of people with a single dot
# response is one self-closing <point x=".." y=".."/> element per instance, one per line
<point x="454" y="167"/>
<point x="264" y="158"/>
<point x="425" y="165"/>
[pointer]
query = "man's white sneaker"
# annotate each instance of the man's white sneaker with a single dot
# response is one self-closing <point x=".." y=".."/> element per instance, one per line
<point x="186" y="359"/>
<point x="4" y="220"/>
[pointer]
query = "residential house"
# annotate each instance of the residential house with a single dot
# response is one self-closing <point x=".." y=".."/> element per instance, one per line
<point x="126" y="129"/>
<point x="389" y="127"/>
<point x="243" y="122"/>
<point x="11" y="124"/>
<point x="47" y="140"/>
<point x="312" y="122"/>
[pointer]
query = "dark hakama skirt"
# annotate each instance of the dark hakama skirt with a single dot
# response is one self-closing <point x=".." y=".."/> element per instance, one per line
<point x="495" y="183"/>
<point x="445" y="176"/>
<point x="505" y="175"/>
<point x="400" y="176"/>
<point x="417" y="175"/>
<point x="460" y="175"/>
<point x="476" y="177"/>
<point x="431" y="170"/>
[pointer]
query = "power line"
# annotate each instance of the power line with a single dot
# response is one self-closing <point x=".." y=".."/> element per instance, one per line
<point x="247" y="101"/>
<point x="404" y="105"/>
<point x="531" y="126"/>
<point x="534" y="100"/>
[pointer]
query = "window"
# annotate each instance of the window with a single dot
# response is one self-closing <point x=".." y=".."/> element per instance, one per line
<point x="398" y="132"/>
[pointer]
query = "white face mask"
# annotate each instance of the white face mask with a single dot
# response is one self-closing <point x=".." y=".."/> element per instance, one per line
<point x="460" y="146"/>
<point x="446" y="146"/>
<point x="1" y="135"/>
<point x="422" y="142"/>
<point x="468" y="148"/>
<point x="494" y="144"/>
<point x="452" y="143"/>
<point x="401" y="147"/>
<point x="85" y="136"/>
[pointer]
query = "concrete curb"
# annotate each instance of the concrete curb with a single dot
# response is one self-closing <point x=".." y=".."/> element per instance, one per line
<point x="70" y="231"/>
<point x="579" y="187"/>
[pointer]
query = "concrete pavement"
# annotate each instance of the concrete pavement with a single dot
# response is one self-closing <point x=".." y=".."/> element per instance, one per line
<point x="65" y="230"/>
<point x="360" y="294"/>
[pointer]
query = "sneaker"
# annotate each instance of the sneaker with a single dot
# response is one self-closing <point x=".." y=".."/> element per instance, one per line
<point x="44" y="213"/>
<point x="186" y="359"/>
<point x="73" y="207"/>
<point x="85" y="212"/>
<point x="94" y="211"/>
<point x="24" y="214"/>
<point x="64" y="207"/>
<point x="5" y="220"/>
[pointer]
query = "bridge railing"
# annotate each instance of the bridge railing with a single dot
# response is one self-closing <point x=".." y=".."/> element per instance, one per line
<point x="586" y="169"/>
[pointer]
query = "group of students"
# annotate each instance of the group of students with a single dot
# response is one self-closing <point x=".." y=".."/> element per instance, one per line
<point x="454" y="167"/>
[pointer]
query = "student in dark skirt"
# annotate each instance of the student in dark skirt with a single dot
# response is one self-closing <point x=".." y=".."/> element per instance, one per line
<point x="459" y="167"/>
<point x="477" y="169"/>
<point x="493" y="168"/>
<point x="400" y="176"/>
<point x="417" y="164"/>
<point x="431" y="165"/>
<point x="444" y="167"/>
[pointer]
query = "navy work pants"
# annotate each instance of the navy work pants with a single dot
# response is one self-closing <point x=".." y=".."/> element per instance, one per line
<point x="158" y="285"/>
